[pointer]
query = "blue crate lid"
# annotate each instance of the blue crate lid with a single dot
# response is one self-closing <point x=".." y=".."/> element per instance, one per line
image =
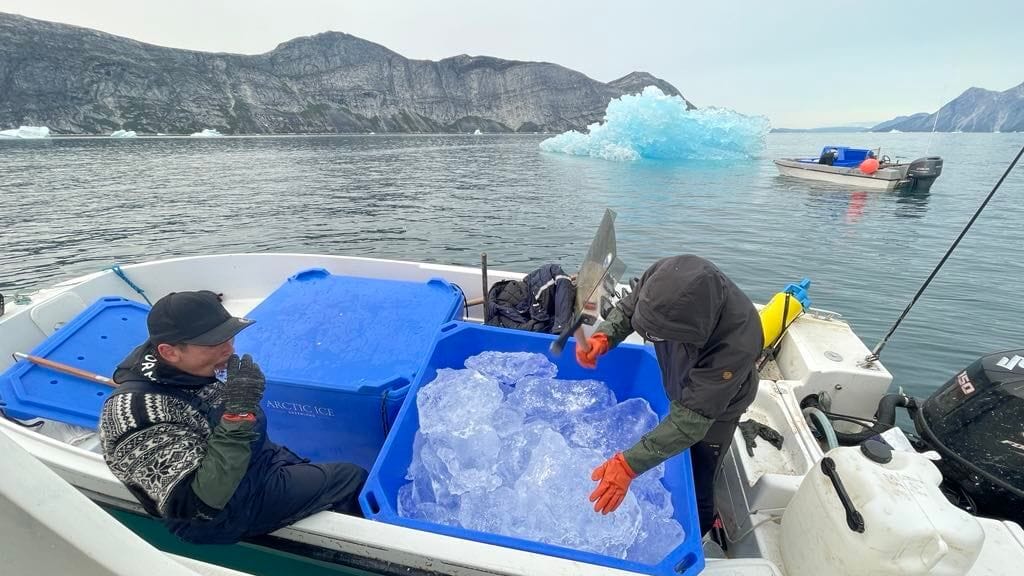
<point x="96" y="340"/>
<point x="346" y="332"/>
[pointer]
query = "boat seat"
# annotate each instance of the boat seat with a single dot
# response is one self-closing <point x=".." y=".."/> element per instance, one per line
<point x="50" y="315"/>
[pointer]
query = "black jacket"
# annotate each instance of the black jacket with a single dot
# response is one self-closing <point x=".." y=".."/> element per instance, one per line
<point x="542" y="302"/>
<point x="706" y="332"/>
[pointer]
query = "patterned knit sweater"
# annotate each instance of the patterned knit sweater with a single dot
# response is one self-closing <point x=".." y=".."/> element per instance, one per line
<point x="154" y="443"/>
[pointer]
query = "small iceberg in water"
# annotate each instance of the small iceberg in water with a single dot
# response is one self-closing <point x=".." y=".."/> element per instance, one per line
<point x="654" y="126"/>
<point x="123" y="134"/>
<point x="27" y="132"/>
<point x="207" y="133"/>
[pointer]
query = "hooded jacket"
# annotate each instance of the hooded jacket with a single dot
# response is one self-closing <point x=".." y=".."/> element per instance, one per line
<point x="163" y="437"/>
<point x="707" y="336"/>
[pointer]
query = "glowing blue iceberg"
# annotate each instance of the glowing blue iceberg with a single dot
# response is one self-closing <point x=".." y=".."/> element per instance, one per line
<point x="655" y="126"/>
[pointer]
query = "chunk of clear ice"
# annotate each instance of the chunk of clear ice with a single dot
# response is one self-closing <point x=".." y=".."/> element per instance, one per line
<point x="511" y="367"/>
<point x="552" y="400"/>
<point x="613" y="429"/>
<point x="658" y="535"/>
<point x="557" y="482"/>
<point x="519" y="465"/>
<point x="457" y="401"/>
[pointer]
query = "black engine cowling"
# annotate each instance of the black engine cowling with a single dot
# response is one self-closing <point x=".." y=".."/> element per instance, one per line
<point x="923" y="172"/>
<point x="976" y="422"/>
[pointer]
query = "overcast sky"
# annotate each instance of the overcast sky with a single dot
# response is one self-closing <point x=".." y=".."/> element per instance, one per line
<point x="802" y="64"/>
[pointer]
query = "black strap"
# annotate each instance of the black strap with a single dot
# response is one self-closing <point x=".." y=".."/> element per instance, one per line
<point x="146" y="387"/>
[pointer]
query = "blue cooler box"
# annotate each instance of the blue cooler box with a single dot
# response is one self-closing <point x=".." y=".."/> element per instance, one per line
<point x="339" y="353"/>
<point x="631" y="371"/>
<point x="96" y="340"/>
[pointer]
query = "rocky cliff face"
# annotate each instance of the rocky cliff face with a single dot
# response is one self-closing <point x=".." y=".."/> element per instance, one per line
<point x="976" y="110"/>
<point x="80" y="81"/>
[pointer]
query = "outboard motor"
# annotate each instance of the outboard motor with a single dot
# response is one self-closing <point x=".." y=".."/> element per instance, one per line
<point x="976" y="422"/>
<point x="923" y="172"/>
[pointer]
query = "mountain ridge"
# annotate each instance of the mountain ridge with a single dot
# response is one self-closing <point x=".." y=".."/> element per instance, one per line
<point x="82" y="81"/>
<point x="974" y="110"/>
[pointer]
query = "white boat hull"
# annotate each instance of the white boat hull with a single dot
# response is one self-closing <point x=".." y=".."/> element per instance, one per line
<point x="883" y="179"/>
<point x="35" y="505"/>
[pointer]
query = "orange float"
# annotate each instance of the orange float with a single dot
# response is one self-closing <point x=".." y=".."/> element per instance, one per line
<point x="869" y="166"/>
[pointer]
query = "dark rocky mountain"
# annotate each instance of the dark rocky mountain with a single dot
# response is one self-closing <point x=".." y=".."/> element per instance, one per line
<point x="81" y="81"/>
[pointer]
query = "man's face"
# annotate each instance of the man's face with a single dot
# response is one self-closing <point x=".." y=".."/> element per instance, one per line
<point x="198" y="360"/>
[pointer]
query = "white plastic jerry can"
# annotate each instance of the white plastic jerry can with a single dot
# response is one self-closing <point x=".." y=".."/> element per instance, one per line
<point x="871" y="511"/>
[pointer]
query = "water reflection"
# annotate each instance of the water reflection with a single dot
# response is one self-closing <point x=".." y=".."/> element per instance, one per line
<point x="837" y="203"/>
<point x="911" y="203"/>
<point x="850" y="205"/>
<point x="856" y="207"/>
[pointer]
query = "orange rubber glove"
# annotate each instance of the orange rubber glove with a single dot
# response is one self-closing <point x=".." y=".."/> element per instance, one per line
<point x="598" y="347"/>
<point x="614" y="477"/>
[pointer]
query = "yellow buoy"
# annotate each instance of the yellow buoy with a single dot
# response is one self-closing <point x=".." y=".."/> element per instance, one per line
<point x="782" y="310"/>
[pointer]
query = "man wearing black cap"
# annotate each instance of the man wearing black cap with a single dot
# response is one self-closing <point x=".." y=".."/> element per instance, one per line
<point x="193" y="448"/>
<point x="707" y="336"/>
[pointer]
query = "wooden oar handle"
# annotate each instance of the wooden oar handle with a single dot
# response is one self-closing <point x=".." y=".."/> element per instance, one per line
<point x="65" y="369"/>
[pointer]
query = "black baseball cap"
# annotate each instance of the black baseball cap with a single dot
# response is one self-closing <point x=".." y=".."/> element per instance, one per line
<point x="192" y="318"/>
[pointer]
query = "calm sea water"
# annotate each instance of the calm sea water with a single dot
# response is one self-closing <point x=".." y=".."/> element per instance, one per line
<point x="72" y="206"/>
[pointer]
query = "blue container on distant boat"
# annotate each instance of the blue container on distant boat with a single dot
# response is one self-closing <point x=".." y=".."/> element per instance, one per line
<point x="847" y="157"/>
<point x="339" y="354"/>
<point x="631" y="371"/>
<point x="96" y="340"/>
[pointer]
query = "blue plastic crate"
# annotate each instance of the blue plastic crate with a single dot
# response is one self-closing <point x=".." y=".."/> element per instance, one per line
<point x="631" y="371"/>
<point x="847" y="157"/>
<point x="339" y="353"/>
<point x="96" y="340"/>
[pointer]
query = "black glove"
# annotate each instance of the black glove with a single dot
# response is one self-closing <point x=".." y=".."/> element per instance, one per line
<point x="751" y="429"/>
<point x="748" y="428"/>
<point x="769" y="434"/>
<point x="243" y="389"/>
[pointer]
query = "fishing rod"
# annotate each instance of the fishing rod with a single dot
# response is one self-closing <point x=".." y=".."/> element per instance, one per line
<point x="873" y="356"/>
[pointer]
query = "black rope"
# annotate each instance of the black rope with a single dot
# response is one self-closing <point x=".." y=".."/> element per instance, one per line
<point x="878" y="348"/>
<point x="847" y="417"/>
<point x="7" y="416"/>
<point x="921" y="423"/>
<point x="384" y="413"/>
<point x="772" y="351"/>
<point x="862" y="422"/>
<point x="465" y="302"/>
